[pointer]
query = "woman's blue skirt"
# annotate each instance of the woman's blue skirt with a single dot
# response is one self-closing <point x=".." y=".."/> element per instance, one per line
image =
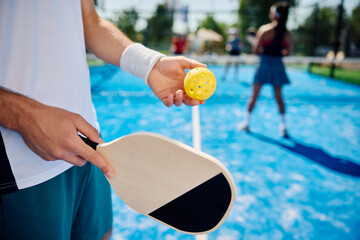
<point x="271" y="70"/>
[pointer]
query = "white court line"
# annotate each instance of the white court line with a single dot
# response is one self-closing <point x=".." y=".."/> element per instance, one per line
<point x="196" y="127"/>
<point x="197" y="144"/>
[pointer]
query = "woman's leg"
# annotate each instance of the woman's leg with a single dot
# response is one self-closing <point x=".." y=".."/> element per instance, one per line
<point x="279" y="99"/>
<point x="255" y="94"/>
<point x="281" y="105"/>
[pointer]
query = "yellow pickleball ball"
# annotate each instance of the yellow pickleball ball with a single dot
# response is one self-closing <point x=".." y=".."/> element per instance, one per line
<point x="200" y="83"/>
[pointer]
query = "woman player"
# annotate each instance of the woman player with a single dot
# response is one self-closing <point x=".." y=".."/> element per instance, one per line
<point x="272" y="42"/>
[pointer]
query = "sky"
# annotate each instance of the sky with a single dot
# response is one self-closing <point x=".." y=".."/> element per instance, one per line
<point x="224" y="10"/>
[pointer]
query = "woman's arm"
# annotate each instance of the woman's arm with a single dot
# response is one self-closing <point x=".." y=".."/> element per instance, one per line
<point x="257" y="48"/>
<point x="289" y="44"/>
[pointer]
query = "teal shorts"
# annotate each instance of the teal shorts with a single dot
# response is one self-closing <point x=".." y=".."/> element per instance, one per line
<point x="74" y="205"/>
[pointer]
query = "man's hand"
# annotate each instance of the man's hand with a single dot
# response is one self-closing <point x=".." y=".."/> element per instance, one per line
<point x="167" y="80"/>
<point x="50" y="132"/>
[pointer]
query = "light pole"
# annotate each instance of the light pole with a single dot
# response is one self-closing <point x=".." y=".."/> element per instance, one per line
<point x="337" y="35"/>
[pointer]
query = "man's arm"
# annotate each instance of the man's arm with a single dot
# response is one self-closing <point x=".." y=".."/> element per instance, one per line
<point x="50" y="132"/>
<point x="102" y="37"/>
<point x="166" y="78"/>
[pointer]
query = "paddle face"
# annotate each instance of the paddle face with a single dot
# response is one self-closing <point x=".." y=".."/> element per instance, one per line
<point x="168" y="181"/>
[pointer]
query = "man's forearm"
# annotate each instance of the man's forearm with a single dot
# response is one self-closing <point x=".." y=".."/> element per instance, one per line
<point x="13" y="108"/>
<point x="102" y="38"/>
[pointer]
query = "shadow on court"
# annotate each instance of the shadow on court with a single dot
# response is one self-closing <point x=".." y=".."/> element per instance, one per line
<point x="315" y="154"/>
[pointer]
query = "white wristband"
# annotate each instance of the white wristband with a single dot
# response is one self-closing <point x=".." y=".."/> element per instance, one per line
<point x="139" y="60"/>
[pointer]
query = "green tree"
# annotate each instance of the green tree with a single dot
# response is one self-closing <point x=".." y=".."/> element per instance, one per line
<point x="355" y="25"/>
<point x="322" y="24"/>
<point x="127" y="22"/>
<point x="159" y="27"/>
<point x="210" y="23"/>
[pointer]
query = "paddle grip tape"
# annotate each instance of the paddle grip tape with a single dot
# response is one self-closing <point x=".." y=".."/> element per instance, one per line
<point x="89" y="142"/>
<point x="139" y="60"/>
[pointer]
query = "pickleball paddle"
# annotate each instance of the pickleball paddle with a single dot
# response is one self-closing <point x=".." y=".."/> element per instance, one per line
<point x="168" y="181"/>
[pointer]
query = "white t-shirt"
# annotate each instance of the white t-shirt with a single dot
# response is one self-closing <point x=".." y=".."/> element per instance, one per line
<point x="42" y="56"/>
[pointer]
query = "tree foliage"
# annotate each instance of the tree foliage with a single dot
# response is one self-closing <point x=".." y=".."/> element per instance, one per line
<point x="209" y="22"/>
<point x="127" y="22"/>
<point x="355" y="25"/>
<point x="159" y="26"/>
<point x="317" y="30"/>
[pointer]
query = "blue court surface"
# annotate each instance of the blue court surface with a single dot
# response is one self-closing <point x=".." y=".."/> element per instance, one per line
<point x="305" y="187"/>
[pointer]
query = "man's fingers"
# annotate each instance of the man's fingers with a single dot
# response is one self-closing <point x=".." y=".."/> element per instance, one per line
<point x="188" y="63"/>
<point x="89" y="154"/>
<point x="178" y="98"/>
<point x="76" y="160"/>
<point x="192" y="102"/>
<point x="169" y="100"/>
<point x="87" y="129"/>
<point x="86" y="152"/>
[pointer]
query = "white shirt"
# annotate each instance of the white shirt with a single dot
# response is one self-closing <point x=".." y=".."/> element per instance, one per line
<point x="42" y="56"/>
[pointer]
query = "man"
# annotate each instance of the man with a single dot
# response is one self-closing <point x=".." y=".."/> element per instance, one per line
<point x="45" y="101"/>
<point x="234" y="46"/>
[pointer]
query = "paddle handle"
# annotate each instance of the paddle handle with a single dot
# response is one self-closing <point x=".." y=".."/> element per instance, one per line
<point x="89" y="142"/>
